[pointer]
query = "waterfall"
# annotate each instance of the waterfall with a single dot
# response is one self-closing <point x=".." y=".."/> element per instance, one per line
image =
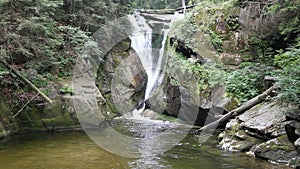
<point x="152" y="57"/>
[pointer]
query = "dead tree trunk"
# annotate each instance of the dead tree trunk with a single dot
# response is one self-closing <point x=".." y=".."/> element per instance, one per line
<point x="15" y="71"/>
<point x="248" y="105"/>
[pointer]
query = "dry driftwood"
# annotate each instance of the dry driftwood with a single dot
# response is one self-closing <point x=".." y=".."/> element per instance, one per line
<point x="248" y="105"/>
<point x="15" y="71"/>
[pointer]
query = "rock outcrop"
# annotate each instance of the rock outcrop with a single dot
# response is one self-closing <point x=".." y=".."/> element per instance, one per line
<point x="116" y="90"/>
<point x="266" y="131"/>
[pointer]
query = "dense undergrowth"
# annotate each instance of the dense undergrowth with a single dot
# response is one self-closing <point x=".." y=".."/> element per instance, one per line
<point x="42" y="39"/>
<point x="266" y="38"/>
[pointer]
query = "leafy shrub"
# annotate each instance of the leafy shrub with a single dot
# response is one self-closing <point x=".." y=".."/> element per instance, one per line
<point x="247" y="82"/>
<point x="288" y="12"/>
<point x="205" y="76"/>
<point x="289" y="79"/>
<point x="66" y="90"/>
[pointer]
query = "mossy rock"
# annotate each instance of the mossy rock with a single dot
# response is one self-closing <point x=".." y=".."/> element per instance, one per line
<point x="7" y="122"/>
<point x="3" y="132"/>
<point x="29" y="120"/>
<point x="235" y="139"/>
<point x="122" y="46"/>
<point x="59" y="121"/>
<point x="279" y="150"/>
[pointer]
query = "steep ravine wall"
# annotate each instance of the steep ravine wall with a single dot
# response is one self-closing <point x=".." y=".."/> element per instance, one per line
<point x="61" y="115"/>
<point x="223" y="32"/>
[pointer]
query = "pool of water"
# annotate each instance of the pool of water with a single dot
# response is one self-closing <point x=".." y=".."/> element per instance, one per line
<point x="75" y="150"/>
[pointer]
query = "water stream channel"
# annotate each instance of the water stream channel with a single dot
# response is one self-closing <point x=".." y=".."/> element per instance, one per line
<point x="75" y="150"/>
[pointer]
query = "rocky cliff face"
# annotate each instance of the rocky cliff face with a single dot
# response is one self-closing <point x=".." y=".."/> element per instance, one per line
<point x="120" y="75"/>
<point x="267" y="131"/>
<point x="122" y="79"/>
<point x="187" y="94"/>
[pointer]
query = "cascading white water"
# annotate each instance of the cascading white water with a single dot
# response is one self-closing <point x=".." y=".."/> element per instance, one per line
<point x="152" y="58"/>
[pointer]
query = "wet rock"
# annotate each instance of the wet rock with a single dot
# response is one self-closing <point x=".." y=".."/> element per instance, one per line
<point x="263" y="119"/>
<point x="297" y="144"/>
<point x="295" y="115"/>
<point x="150" y="113"/>
<point x="264" y="131"/>
<point x="278" y="150"/>
<point x="141" y="105"/>
<point x="188" y="106"/>
<point x="172" y="98"/>
<point x="235" y="139"/>
<point x="122" y="46"/>
<point x="194" y="114"/>
<point x="128" y="83"/>
<point x="293" y="130"/>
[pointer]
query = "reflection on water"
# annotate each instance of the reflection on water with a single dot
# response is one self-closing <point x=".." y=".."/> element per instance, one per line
<point x="76" y="151"/>
<point x="56" y="151"/>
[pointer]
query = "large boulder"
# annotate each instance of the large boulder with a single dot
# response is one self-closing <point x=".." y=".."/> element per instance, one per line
<point x="117" y="89"/>
<point x="235" y="138"/>
<point x="179" y="96"/>
<point x="128" y="83"/>
<point x="278" y="150"/>
<point x="262" y="131"/>
<point x="293" y="130"/>
<point x="265" y="119"/>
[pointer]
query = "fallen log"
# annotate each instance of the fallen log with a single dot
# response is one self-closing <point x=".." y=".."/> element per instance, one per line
<point x="185" y="7"/>
<point x="248" y="105"/>
<point x="31" y="85"/>
<point x="158" y="11"/>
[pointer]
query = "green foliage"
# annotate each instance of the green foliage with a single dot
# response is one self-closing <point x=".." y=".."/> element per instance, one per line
<point x="64" y="66"/>
<point x="203" y="19"/>
<point x="91" y="15"/>
<point x="289" y="13"/>
<point x="66" y="90"/>
<point x="200" y="78"/>
<point x="3" y="74"/>
<point x="289" y="79"/>
<point x="287" y="59"/>
<point x="75" y="37"/>
<point x="45" y="35"/>
<point x="174" y="82"/>
<point x="261" y="50"/>
<point x="156" y="4"/>
<point x="247" y="81"/>
<point x="216" y="40"/>
<point x="39" y="81"/>
<point x="48" y="7"/>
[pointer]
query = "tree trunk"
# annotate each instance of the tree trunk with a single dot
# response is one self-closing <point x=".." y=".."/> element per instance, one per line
<point x="248" y="105"/>
<point x="183" y="6"/>
<point x="15" y="71"/>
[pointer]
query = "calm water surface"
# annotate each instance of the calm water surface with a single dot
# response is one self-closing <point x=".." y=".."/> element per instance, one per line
<point x="74" y="150"/>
